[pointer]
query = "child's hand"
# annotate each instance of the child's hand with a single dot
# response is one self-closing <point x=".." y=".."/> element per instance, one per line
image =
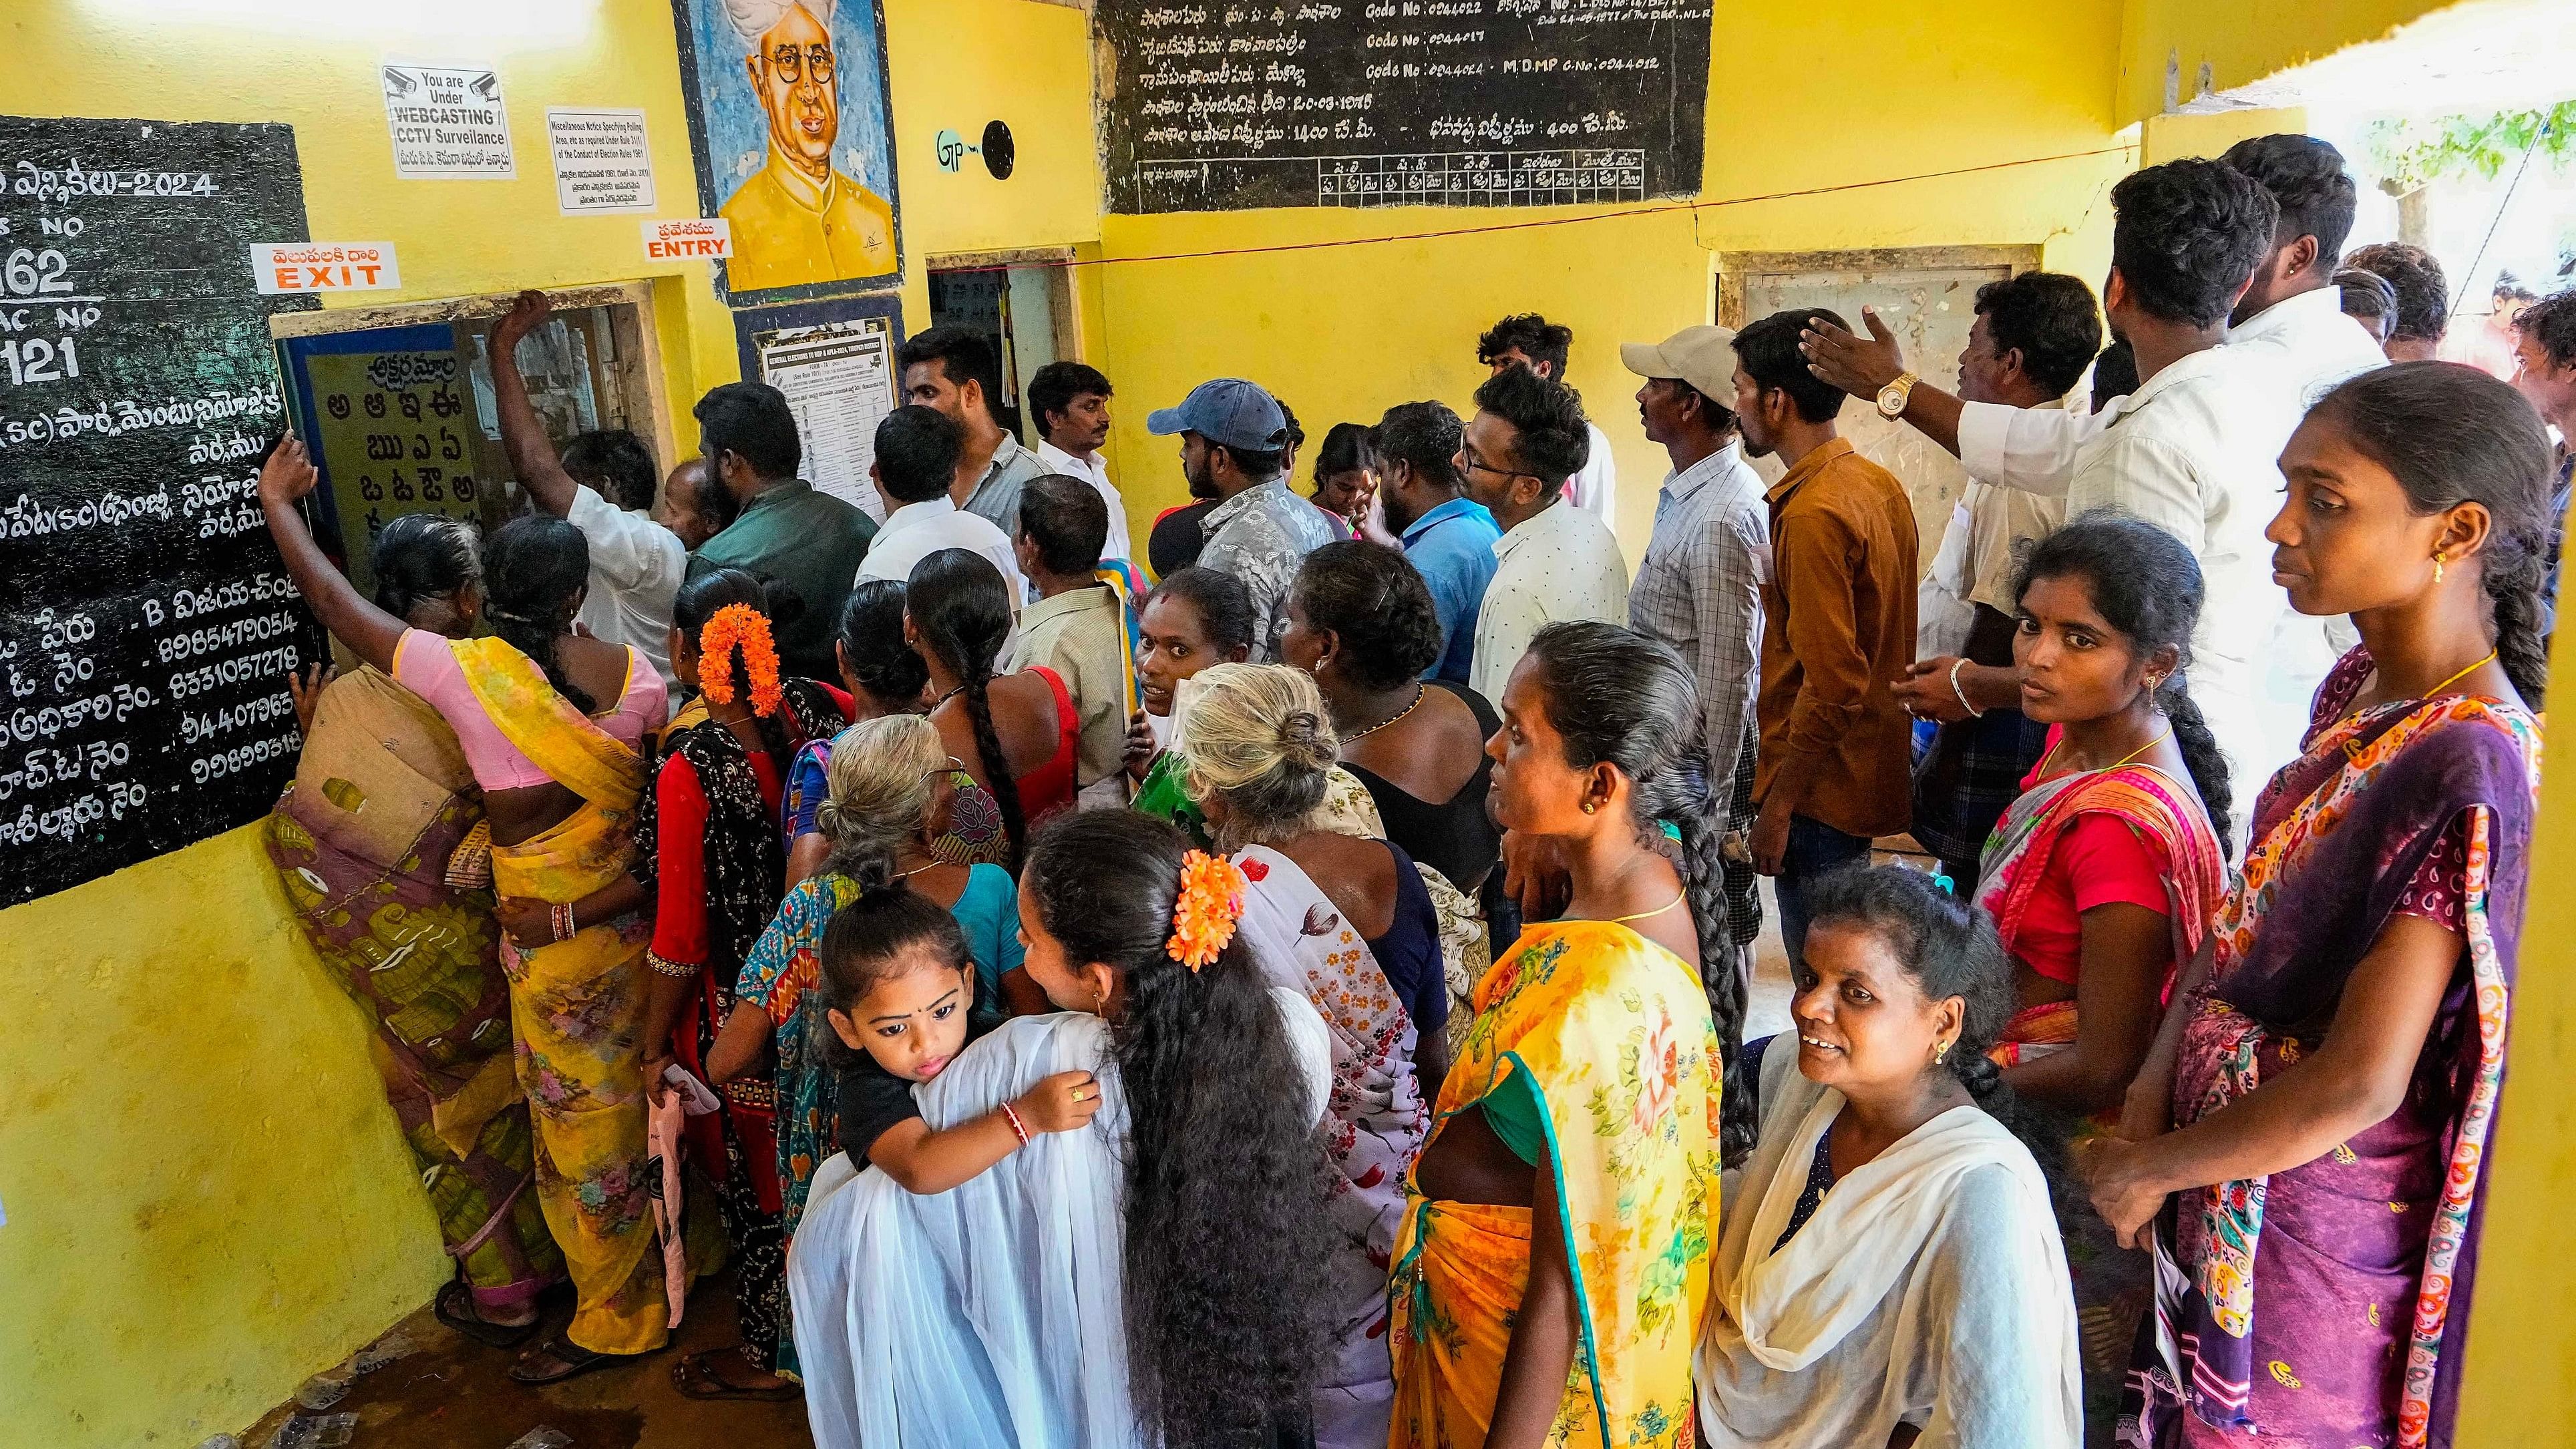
<point x="1138" y="752"/>
<point x="1061" y="1103"/>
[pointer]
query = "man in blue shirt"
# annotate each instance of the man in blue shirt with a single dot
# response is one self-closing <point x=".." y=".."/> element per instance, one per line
<point x="1448" y="536"/>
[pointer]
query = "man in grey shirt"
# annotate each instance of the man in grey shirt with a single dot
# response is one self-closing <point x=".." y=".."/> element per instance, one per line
<point x="1232" y="435"/>
<point x="957" y="372"/>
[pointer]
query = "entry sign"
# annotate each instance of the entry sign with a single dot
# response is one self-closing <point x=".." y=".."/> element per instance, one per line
<point x="696" y="238"/>
<point x="324" y="267"/>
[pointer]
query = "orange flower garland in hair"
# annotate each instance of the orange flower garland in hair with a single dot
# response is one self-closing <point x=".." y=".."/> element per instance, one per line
<point x="1203" y="918"/>
<point x="739" y="626"/>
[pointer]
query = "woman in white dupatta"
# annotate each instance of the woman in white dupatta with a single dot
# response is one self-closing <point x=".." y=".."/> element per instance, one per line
<point x="1888" y="1269"/>
<point x="1348" y="923"/>
<point x="1089" y="1292"/>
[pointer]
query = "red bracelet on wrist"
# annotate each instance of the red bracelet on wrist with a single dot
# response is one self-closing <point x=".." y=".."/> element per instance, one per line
<point x="1019" y="1129"/>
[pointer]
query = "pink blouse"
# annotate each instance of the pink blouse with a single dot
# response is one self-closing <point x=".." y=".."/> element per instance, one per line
<point x="423" y="665"/>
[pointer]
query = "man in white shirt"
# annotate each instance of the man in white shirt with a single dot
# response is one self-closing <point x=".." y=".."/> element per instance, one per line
<point x="917" y="450"/>
<point x="636" y="565"/>
<point x="1555" y="562"/>
<point x="1069" y="405"/>
<point x="2290" y="318"/>
<point x="1530" y="340"/>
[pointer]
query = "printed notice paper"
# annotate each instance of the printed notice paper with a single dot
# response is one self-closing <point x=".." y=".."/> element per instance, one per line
<point x="448" y="121"/>
<point x="324" y="267"/>
<point x="602" y="161"/>
<point x="839" y="381"/>
<point x="688" y="238"/>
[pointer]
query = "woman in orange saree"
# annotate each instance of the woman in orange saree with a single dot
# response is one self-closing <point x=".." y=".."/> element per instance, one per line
<point x="1552" y="1267"/>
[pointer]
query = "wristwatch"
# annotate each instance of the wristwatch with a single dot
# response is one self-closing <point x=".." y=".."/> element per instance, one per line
<point x="1891" y="398"/>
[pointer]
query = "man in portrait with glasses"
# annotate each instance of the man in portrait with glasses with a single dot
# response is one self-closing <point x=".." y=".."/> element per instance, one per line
<point x="1554" y="562"/>
<point x="798" y="219"/>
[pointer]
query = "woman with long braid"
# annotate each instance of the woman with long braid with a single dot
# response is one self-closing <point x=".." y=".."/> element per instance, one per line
<point x="2316" y="1284"/>
<point x="2102" y="877"/>
<point x="717" y="865"/>
<point x="1553" y="1263"/>
<point x="1017" y="734"/>
<point x="552" y="724"/>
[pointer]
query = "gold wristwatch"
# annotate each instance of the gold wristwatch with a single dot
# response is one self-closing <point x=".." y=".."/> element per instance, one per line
<point x="1891" y="398"/>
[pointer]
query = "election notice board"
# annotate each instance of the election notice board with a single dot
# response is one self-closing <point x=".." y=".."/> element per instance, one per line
<point x="148" y="628"/>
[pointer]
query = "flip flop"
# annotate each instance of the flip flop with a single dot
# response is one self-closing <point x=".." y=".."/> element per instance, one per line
<point x="575" y="1360"/>
<point x="454" y="1306"/>
<point x="696" y="1378"/>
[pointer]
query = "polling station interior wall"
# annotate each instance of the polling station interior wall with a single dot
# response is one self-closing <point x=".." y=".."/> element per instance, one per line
<point x="206" y="1195"/>
<point x="1802" y="99"/>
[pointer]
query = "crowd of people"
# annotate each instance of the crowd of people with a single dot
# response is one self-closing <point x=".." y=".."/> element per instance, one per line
<point x="1303" y="1001"/>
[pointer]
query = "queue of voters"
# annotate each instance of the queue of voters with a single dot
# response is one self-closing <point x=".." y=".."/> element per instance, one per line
<point x="1281" y="976"/>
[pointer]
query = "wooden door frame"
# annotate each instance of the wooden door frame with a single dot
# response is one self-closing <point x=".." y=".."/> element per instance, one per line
<point x="630" y="309"/>
<point x="1734" y="268"/>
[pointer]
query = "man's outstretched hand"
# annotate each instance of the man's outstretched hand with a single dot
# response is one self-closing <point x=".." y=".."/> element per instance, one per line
<point x="1858" y="365"/>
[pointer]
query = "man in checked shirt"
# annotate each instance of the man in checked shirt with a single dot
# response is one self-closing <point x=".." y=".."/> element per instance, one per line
<point x="1700" y="586"/>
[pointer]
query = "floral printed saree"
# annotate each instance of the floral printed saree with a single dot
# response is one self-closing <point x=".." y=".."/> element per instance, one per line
<point x="1613" y="1035"/>
<point x="578" y="1007"/>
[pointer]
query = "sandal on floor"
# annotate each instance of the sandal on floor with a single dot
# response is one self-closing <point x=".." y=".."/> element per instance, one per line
<point x="455" y="1307"/>
<point x="573" y="1360"/>
<point x="697" y="1377"/>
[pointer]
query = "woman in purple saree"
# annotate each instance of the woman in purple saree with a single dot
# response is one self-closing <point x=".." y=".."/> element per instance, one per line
<point x="2330" y="1069"/>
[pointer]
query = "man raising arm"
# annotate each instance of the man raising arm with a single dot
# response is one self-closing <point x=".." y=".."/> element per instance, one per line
<point x="635" y="564"/>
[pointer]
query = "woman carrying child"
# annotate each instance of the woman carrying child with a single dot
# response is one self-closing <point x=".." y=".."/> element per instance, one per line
<point x="995" y="1309"/>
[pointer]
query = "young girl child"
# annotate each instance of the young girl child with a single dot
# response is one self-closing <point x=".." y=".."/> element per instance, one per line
<point x="900" y="991"/>
<point x="1889" y="1176"/>
<point x="891" y="785"/>
<point x="1198" y="1198"/>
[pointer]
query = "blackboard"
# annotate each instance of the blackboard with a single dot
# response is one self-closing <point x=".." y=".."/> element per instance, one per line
<point x="148" y="627"/>
<point x="1212" y="105"/>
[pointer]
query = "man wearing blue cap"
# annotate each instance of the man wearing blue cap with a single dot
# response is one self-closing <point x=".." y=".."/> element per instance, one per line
<point x="1232" y="437"/>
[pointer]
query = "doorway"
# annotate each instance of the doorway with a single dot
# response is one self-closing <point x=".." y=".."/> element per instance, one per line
<point x="1928" y="296"/>
<point x="1022" y="303"/>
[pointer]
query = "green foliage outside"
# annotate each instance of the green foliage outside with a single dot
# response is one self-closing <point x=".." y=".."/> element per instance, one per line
<point x="2410" y="154"/>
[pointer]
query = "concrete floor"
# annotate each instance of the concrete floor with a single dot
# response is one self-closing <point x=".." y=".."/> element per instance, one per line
<point x="452" y="1393"/>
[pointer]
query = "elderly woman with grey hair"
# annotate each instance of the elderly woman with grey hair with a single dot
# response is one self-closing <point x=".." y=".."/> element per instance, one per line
<point x="1348" y="921"/>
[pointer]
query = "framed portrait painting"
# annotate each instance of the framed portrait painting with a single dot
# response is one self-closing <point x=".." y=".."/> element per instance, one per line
<point x="794" y="140"/>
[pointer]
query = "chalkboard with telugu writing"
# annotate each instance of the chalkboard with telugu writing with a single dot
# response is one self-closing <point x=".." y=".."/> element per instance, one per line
<point x="148" y="627"/>
<point x="1221" y="105"/>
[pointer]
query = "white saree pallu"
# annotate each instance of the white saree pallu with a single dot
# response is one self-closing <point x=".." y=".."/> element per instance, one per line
<point x="989" y="1316"/>
<point x="993" y="1315"/>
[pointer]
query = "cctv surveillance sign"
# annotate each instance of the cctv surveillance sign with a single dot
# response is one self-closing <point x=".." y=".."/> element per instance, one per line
<point x="448" y="122"/>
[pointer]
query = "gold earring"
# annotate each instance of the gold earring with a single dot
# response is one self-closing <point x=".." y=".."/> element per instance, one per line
<point x="2437" y="566"/>
<point x="1940" y="1054"/>
<point x="1591" y="807"/>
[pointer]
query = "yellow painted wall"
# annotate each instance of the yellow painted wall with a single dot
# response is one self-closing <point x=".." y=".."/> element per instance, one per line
<point x="206" y="1195"/>
<point x="1805" y="96"/>
<point x="2240" y="41"/>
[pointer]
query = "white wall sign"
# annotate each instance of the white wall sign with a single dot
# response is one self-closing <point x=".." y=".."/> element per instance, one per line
<point x="324" y="267"/>
<point x="448" y="121"/>
<point x="692" y="238"/>
<point x="602" y="160"/>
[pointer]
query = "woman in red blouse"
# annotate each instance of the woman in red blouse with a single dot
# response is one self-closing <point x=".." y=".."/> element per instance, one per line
<point x="2103" y="876"/>
<point x="717" y="869"/>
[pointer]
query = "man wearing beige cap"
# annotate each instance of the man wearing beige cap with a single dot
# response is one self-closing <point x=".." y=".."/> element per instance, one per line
<point x="1699" y="587"/>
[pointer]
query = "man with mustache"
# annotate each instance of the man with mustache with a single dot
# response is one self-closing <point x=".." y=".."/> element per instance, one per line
<point x="799" y="220"/>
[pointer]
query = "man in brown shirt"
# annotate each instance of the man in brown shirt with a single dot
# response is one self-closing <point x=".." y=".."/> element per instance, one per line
<point x="1838" y="628"/>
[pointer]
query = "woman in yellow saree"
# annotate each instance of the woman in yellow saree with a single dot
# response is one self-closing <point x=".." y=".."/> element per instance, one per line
<point x="1552" y="1268"/>
<point x="561" y="776"/>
